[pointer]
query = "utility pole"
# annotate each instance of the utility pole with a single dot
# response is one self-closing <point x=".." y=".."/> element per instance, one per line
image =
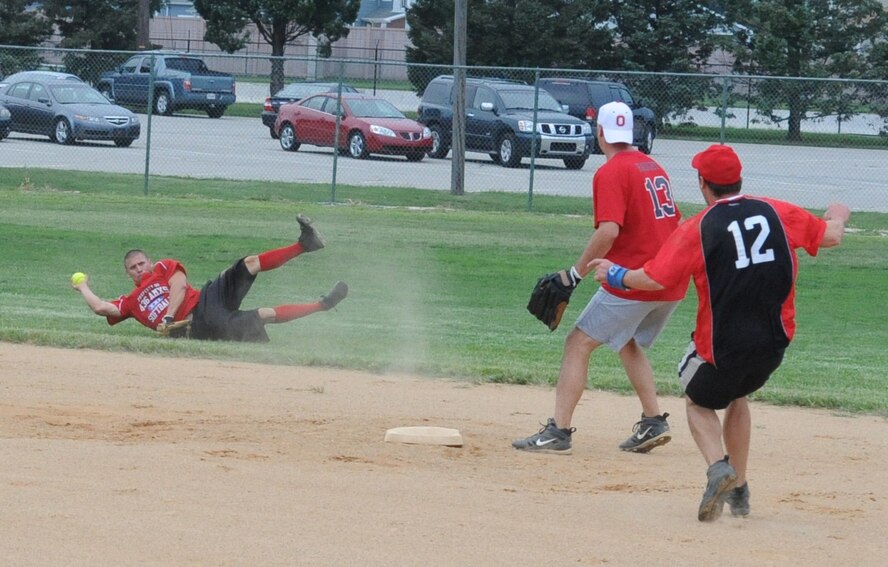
<point x="144" y="15"/>
<point x="458" y="143"/>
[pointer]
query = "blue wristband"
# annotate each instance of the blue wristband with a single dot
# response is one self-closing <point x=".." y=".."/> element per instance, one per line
<point x="615" y="276"/>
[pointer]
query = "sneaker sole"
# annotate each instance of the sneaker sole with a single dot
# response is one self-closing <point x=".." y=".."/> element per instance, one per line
<point x="649" y="444"/>
<point x="549" y="451"/>
<point x="711" y="508"/>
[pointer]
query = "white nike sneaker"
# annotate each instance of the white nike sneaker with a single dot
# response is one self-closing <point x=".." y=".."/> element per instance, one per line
<point x="550" y="439"/>
<point x="648" y="433"/>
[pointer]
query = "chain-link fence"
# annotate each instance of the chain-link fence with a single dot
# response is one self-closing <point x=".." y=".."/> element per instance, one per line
<point x="525" y="130"/>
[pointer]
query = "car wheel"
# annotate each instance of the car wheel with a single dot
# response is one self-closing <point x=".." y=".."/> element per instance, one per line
<point x="440" y="146"/>
<point x="357" y="145"/>
<point x="288" y="138"/>
<point x="415" y="156"/>
<point x="508" y="155"/>
<point x="162" y="103"/>
<point x="496" y="158"/>
<point x="271" y="131"/>
<point x="216" y="111"/>
<point x="647" y="142"/>
<point x="62" y="133"/>
<point x="124" y="142"/>
<point x="574" y="162"/>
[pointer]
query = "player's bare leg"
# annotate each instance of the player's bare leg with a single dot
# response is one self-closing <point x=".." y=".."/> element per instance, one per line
<point x="720" y="476"/>
<point x="641" y="375"/>
<point x="651" y="430"/>
<point x="737" y="434"/>
<point x="573" y="375"/>
<point x="706" y="429"/>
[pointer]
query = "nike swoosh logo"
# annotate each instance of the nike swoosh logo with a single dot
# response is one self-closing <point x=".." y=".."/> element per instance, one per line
<point x="541" y="443"/>
<point x="640" y="435"/>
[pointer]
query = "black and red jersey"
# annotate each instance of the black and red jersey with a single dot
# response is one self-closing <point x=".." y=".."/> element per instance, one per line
<point x="741" y="254"/>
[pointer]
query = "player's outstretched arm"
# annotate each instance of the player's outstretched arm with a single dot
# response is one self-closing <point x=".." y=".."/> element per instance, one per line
<point x="836" y="217"/>
<point x="98" y="305"/>
<point x="621" y="278"/>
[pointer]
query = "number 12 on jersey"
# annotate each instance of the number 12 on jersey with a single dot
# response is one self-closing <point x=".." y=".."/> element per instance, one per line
<point x="758" y="256"/>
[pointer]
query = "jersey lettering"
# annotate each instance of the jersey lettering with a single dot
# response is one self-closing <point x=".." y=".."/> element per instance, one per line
<point x="661" y="196"/>
<point x="759" y="256"/>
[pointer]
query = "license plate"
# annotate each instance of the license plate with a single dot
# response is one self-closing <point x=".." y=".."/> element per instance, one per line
<point x="211" y="96"/>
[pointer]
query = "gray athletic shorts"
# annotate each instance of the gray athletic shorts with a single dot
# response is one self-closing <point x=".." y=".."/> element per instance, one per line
<point x="614" y="321"/>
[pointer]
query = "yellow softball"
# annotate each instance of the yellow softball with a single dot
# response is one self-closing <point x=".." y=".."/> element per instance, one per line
<point x="78" y="278"/>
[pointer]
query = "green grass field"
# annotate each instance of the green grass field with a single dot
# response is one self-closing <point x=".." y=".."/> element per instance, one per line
<point x="439" y="283"/>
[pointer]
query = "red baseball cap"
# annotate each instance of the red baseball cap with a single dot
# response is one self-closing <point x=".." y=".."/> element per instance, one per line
<point x="718" y="164"/>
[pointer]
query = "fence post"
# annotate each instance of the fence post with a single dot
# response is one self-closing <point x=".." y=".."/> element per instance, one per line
<point x="533" y="137"/>
<point x="724" y="113"/>
<point x="151" y="76"/>
<point x="336" y="133"/>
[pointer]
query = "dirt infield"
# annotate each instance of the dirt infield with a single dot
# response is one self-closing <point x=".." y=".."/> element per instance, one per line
<point x="117" y="459"/>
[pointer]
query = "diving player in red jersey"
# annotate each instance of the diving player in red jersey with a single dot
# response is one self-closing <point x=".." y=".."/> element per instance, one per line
<point x="740" y="251"/>
<point x="162" y="295"/>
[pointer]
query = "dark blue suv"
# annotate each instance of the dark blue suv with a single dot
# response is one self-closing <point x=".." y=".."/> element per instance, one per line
<point x="499" y="122"/>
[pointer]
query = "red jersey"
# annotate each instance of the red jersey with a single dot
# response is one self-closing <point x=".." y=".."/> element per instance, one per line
<point x="633" y="191"/>
<point x="741" y="253"/>
<point x="149" y="300"/>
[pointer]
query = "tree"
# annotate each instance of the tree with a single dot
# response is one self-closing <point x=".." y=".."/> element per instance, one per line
<point x="512" y="33"/>
<point x="279" y="22"/>
<point x="21" y="26"/>
<point x="813" y="39"/>
<point x="665" y="37"/>
<point x="95" y="25"/>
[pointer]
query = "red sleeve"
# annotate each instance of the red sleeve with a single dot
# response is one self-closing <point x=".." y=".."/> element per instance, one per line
<point x="803" y="230"/>
<point x="121" y="305"/>
<point x="167" y="267"/>
<point x="608" y="199"/>
<point x="679" y="256"/>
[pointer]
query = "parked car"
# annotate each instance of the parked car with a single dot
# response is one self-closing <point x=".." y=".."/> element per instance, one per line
<point x="294" y="92"/>
<point x="39" y="75"/>
<point x="66" y="110"/>
<point x="367" y="125"/>
<point x="5" y="121"/>
<point x="585" y="98"/>
<point x="180" y="81"/>
<point x="499" y="122"/>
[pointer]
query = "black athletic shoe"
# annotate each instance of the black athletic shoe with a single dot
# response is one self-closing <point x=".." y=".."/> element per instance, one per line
<point x="648" y="433"/>
<point x="550" y="439"/>
<point x="721" y="477"/>
<point x="337" y="294"/>
<point x="309" y="238"/>
<point x="738" y="500"/>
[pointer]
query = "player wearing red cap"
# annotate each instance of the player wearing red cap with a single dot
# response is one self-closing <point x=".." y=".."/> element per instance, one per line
<point x="740" y="251"/>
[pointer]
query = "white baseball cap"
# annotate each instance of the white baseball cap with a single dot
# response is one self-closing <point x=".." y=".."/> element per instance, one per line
<point x="615" y="118"/>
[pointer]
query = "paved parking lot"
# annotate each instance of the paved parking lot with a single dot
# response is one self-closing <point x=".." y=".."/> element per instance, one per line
<point x="240" y="148"/>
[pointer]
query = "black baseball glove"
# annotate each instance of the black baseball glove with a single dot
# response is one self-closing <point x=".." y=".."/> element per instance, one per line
<point x="551" y="295"/>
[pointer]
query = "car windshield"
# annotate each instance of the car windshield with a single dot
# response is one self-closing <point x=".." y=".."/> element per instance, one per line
<point x="298" y="90"/>
<point x="523" y="100"/>
<point x="374" y="108"/>
<point x="186" y="64"/>
<point x="78" y="94"/>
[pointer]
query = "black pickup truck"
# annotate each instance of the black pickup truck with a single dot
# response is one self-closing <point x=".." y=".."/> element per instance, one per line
<point x="180" y="81"/>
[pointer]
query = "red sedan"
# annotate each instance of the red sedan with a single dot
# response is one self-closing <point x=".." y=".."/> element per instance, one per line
<point x="367" y="125"/>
